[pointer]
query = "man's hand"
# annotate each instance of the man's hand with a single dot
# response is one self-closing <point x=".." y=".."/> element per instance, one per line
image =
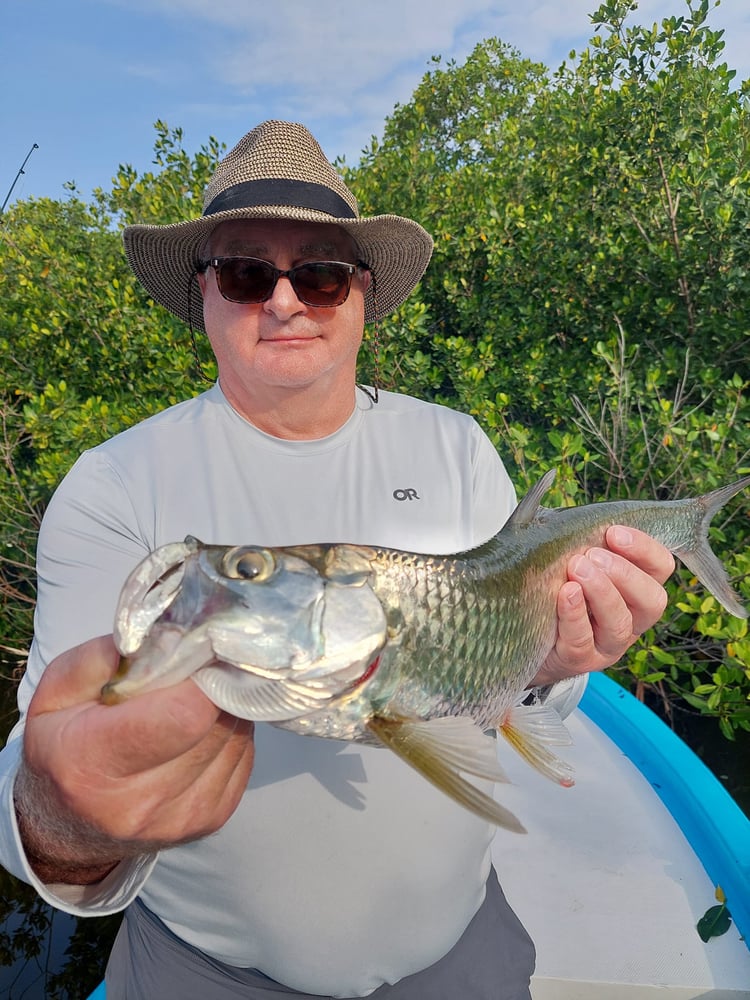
<point x="101" y="783"/>
<point x="613" y="595"/>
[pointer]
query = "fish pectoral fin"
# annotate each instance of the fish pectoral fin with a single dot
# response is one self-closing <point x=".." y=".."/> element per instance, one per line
<point x="439" y="749"/>
<point x="530" y="730"/>
<point x="248" y="696"/>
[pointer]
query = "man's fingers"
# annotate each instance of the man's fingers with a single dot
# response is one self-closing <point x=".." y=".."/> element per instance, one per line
<point x="136" y="735"/>
<point x="147" y="732"/>
<point x="185" y="798"/>
<point x="215" y="793"/>
<point x="76" y="676"/>
<point x="575" y="637"/>
<point x="611" y="597"/>
<point x="166" y="766"/>
<point x="641" y="550"/>
<point x="633" y="599"/>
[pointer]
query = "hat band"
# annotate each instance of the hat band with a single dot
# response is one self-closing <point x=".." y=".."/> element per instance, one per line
<point x="281" y="191"/>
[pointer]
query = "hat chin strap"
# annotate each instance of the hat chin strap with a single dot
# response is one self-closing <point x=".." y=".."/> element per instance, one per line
<point x="281" y="191"/>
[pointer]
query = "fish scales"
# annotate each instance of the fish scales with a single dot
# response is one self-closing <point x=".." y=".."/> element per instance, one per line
<point x="451" y="617"/>
<point x="420" y="653"/>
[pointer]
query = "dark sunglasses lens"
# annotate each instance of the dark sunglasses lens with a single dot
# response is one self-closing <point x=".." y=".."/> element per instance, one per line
<point x="246" y="280"/>
<point x="321" y="283"/>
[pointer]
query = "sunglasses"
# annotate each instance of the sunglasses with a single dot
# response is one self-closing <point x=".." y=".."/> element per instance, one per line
<point x="324" y="283"/>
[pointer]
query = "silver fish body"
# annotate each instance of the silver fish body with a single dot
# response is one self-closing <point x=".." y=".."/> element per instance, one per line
<point x="421" y="653"/>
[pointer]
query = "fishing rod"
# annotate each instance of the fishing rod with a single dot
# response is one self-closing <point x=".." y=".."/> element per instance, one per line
<point x="15" y="179"/>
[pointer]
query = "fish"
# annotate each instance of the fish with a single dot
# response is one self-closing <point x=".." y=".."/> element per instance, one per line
<point x="430" y="656"/>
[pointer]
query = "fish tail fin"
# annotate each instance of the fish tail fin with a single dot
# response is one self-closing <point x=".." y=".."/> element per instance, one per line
<point x="701" y="560"/>
<point x="439" y="749"/>
<point x="531" y="730"/>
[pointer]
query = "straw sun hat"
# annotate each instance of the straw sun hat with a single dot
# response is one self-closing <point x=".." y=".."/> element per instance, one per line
<point x="277" y="171"/>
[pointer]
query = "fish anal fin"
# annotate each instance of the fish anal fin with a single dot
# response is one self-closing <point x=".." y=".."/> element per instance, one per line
<point x="531" y="730"/>
<point x="440" y="749"/>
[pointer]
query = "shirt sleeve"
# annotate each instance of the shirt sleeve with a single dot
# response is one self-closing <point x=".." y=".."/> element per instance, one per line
<point x="494" y="494"/>
<point x="88" y="543"/>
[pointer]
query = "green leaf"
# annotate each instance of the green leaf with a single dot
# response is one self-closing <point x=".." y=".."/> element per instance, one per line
<point x="715" y="921"/>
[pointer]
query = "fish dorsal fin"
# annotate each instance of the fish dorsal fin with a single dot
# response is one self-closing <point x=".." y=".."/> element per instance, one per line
<point x="527" y="509"/>
<point x="531" y="729"/>
<point x="439" y="749"/>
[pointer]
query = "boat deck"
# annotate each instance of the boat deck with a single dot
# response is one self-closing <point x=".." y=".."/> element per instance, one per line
<point x="613" y="915"/>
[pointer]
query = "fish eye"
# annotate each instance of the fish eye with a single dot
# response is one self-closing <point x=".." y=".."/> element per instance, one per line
<point x="248" y="564"/>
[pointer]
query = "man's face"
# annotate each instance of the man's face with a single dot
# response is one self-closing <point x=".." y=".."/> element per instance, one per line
<point x="267" y="349"/>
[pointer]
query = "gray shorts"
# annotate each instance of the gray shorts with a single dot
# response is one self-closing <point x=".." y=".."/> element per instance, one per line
<point x="493" y="960"/>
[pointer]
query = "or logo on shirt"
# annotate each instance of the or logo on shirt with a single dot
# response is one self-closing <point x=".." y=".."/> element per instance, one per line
<point x="407" y="494"/>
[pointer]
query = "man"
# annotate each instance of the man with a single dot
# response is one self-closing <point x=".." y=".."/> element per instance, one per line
<point x="252" y="861"/>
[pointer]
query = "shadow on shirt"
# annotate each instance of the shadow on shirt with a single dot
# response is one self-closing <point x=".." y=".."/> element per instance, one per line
<point x="335" y="764"/>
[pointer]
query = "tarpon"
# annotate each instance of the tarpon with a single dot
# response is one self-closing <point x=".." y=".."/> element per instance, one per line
<point x="425" y="654"/>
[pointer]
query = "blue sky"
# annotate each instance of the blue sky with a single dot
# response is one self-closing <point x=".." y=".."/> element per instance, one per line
<point x="86" y="79"/>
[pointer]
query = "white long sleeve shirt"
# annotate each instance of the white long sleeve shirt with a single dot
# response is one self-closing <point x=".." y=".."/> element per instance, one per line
<point x="341" y="869"/>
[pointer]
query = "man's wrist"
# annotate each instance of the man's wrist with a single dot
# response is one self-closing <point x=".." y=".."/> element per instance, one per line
<point x="52" y="872"/>
<point x="51" y="843"/>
